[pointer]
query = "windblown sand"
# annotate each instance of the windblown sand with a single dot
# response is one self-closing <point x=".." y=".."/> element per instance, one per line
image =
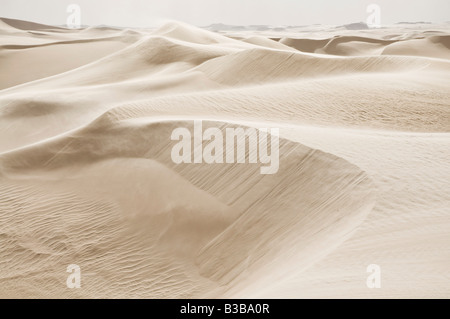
<point x="86" y="176"/>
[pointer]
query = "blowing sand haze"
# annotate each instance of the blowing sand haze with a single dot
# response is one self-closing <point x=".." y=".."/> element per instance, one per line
<point x="352" y="127"/>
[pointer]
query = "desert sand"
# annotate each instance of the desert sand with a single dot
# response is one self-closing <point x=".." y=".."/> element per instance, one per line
<point x="86" y="175"/>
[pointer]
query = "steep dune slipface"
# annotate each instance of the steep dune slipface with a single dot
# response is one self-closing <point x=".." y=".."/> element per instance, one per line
<point x="305" y="45"/>
<point x="151" y="220"/>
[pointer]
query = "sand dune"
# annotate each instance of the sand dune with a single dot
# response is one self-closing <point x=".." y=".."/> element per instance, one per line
<point x="14" y="24"/>
<point x="87" y="178"/>
<point x="262" y="219"/>
<point x="422" y="44"/>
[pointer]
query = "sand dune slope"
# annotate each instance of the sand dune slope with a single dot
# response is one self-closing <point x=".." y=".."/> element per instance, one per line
<point x="421" y="44"/>
<point x="264" y="226"/>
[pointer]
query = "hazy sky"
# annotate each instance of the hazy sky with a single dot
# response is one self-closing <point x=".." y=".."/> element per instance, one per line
<point x="142" y="13"/>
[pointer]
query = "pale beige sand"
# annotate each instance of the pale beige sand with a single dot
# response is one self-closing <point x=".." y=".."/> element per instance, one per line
<point x="86" y="176"/>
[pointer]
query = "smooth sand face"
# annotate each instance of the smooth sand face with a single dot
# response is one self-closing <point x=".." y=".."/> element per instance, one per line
<point x="87" y="175"/>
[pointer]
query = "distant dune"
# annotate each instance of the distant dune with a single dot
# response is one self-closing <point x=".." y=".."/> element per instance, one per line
<point x="87" y="178"/>
<point x="12" y="24"/>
